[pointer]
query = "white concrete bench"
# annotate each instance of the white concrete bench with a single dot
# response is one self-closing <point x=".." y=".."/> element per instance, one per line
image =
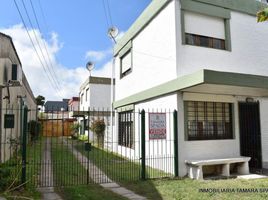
<point x="195" y="167"/>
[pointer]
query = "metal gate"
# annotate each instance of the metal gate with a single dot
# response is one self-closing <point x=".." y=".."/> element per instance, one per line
<point x="250" y="133"/>
<point x="101" y="147"/>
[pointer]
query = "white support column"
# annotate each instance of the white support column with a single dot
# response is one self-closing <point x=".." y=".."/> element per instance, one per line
<point x="243" y="168"/>
<point x="225" y="171"/>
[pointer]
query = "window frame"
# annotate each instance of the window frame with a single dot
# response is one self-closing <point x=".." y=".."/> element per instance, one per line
<point x="216" y="135"/>
<point x="128" y="71"/>
<point x="209" y="10"/>
<point x="82" y="95"/>
<point x="126" y="130"/>
<point x="87" y="92"/>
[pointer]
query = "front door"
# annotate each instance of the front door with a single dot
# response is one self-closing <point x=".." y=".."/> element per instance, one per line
<point x="250" y="133"/>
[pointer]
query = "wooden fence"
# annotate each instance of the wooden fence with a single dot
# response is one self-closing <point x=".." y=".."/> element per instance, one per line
<point x="57" y="128"/>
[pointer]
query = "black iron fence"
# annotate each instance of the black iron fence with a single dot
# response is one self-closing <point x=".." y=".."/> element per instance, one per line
<point x="94" y="146"/>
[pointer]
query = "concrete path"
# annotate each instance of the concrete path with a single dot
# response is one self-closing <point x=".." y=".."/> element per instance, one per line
<point x="46" y="177"/>
<point x="101" y="178"/>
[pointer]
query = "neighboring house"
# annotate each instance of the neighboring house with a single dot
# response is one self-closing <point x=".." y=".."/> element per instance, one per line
<point x="207" y="60"/>
<point x="95" y="93"/>
<point x="55" y="106"/>
<point x="15" y="92"/>
<point x="95" y="96"/>
<point x="73" y="104"/>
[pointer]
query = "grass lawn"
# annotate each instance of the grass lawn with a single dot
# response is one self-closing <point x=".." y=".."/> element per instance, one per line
<point x="127" y="174"/>
<point x="32" y="170"/>
<point x="69" y="172"/>
<point x="117" y="167"/>
<point x="190" y="189"/>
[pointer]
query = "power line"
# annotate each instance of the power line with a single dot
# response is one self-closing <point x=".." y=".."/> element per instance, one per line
<point x="43" y="15"/>
<point x="105" y="13"/>
<point x="45" y="45"/>
<point x="38" y="44"/>
<point x="39" y="58"/>
<point x="109" y="12"/>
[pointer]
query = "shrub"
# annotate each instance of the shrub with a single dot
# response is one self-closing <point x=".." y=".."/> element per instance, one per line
<point x="7" y="177"/>
<point x="75" y="130"/>
<point x="34" y="128"/>
<point x="98" y="127"/>
<point x="83" y="137"/>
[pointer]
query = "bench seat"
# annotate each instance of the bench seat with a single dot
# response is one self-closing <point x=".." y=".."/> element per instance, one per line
<point x="195" y="167"/>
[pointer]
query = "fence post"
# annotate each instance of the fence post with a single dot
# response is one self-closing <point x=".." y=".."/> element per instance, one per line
<point x="143" y="168"/>
<point x="24" y="143"/>
<point x="176" y="157"/>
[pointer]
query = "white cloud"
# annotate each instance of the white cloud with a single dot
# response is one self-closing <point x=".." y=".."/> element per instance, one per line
<point x="104" y="71"/>
<point x="97" y="55"/>
<point x="70" y="79"/>
<point x="120" y="35"/>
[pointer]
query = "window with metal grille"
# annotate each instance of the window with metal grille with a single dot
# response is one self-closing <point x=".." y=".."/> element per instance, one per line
<point x="208" y="120"/>
<point x="125" y="129"/>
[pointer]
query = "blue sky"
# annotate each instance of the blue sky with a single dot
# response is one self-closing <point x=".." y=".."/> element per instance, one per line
<point x="78" y="27"/>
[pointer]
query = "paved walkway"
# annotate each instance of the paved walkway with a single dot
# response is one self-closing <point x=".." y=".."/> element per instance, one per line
<point x="101" y="178"/>
<point x="46" y="177"/>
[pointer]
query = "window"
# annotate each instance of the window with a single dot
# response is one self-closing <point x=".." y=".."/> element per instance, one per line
<point x="208" y="120"/>
<point x="86" y="94"/>
<point x="204" y="41"/>
<point x="126" y="64"/>
<point x="125" y="129"/>
<point x="82" y="96"/>
<point x="206" y="31"/>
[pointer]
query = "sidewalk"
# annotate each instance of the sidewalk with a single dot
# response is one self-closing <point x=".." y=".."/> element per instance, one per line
<point x="46" y="177"/>
<point x="101" y="178"/>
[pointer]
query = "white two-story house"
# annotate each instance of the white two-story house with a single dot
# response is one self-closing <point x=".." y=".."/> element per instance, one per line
<point x="95" y="102"/>
<point x="206" y="59"/>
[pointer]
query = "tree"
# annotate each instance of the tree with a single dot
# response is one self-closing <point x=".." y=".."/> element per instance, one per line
<point x="40" y="100"/>
<point x="262" y="15"/>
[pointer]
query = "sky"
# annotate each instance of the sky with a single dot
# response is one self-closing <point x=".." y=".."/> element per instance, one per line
<point x="66" y="35"/>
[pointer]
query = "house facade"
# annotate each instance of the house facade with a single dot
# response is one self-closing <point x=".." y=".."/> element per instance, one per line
<point x="15" y="92"/>
<point x="207" y="60"/>
<point x="73" y="104"/>
<point x="95" y="102"/>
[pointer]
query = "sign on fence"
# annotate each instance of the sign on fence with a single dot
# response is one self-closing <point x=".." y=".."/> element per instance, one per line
<point x="157" y="126"/>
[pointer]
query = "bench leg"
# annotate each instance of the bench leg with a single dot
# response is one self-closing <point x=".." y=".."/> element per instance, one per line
<point x="243" y="168"/>
<point x="225" y="170"/>
<point x="195" y="172"/>
<point x="199" y="174"/>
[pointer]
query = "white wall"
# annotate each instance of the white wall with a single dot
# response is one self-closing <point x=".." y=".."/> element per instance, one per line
<point x="154" y="56"/>
<point x="99" y="97"/>
<point x="208" y="149"/>
<point x="248" y="55"/>
<point x="13" y="107"/>
<point x="159" y="153"/>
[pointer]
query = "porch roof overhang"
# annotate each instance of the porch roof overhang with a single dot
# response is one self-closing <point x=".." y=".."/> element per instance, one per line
<point x="205" y="81"/>
<point x="93" y="113"/>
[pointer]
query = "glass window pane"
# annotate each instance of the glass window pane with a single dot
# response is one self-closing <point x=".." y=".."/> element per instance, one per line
<point x="209" y="120"/>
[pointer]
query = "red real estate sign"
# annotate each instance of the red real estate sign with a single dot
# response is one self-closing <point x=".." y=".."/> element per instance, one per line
<point x="157" y="126"/>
